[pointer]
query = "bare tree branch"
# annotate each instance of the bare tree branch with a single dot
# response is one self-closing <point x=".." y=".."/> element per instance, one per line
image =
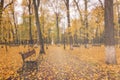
<point x="8" y="5"/>
<point x="78" y="8"/>
<point x="101" y="4"/>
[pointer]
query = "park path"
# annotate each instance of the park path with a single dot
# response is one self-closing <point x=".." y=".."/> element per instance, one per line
<point x="59" y="64"/>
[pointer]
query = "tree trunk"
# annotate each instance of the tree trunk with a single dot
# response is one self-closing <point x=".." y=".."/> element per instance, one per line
<point x="30" y="25"/>
<point x="118" y="31"/>
<point x="38" y="27"/>
<point x="1" y="9"/>
<point x="68" y="21"/>
<point x="16" y="31"/>
<point x="86" y="24"/>
<point x="64" y="41"/>
<point x="109" y="33"/>
<point x="57" y="25"/>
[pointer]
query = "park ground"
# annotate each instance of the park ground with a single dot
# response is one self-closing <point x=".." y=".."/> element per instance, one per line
<point x="59" y="64"/>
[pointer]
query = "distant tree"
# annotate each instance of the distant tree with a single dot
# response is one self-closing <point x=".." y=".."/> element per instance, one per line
<point x="109" y="33"/>
<point x="4" y="32"/>
<point x="3" y="7"/>
<point x="86" y="22"/>
<point x="117" y="2"/>
<point x="67" y="3"/>
<point x="30" y="19"/>
<point x="56" y="6"/>
<point x="15" y="24"/>
<point x="97" y="22"/>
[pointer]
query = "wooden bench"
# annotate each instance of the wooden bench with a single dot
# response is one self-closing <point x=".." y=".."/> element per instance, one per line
<point x="26" y="55"/>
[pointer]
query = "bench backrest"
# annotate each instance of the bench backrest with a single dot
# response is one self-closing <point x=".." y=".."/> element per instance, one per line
<point x="27" y="54"/>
